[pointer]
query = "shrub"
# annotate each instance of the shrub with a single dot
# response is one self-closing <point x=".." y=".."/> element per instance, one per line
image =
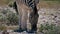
<point x="50" y="29"/>
<point x="8" y="17"/>
<point x="12" y="18"/>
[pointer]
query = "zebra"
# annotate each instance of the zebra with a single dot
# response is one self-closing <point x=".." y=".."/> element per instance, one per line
<point x="33" y="16"/>
<point x="29" y="3"/>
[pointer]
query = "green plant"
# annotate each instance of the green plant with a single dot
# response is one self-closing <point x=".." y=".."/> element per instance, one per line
<point x="8" y="17"/>
<point x="12" y="18"/>
<point x="2" y="17"/>
<point x="50" y="29"/>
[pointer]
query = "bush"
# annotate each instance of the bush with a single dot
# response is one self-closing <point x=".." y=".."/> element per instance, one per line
<point x="50" y="29"/>
<point x="8" y="17"/>
<point x="12" y="18"/>
<point x="2" y="17"/>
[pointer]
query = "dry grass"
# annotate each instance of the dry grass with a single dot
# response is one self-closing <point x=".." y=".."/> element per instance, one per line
<point x="4" y="2"/>
<point x="49" y="4"/>
<point x="12" y="27"/>
<point x="42" y="4"/>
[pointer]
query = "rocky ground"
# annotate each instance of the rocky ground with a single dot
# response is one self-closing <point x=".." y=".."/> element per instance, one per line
<point x="49" y="15"/>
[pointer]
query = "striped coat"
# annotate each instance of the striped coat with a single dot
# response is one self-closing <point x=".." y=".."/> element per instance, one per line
<point x="24" y="9"/>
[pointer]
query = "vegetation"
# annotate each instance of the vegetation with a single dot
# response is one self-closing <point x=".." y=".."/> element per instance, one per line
<point x="8" y="17"/>
<point x="5" y="2"/>
<point x="2" y="28"/>
<point x="50" y="29"/>
<point x="12" y="18"/>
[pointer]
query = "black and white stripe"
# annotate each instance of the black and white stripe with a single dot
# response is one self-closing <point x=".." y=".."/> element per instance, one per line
<point x="30" y="3"/>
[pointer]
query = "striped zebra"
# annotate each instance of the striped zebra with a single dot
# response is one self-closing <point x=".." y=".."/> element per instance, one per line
<point x="23" y="7"/>
<point x="29" y="3"/>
